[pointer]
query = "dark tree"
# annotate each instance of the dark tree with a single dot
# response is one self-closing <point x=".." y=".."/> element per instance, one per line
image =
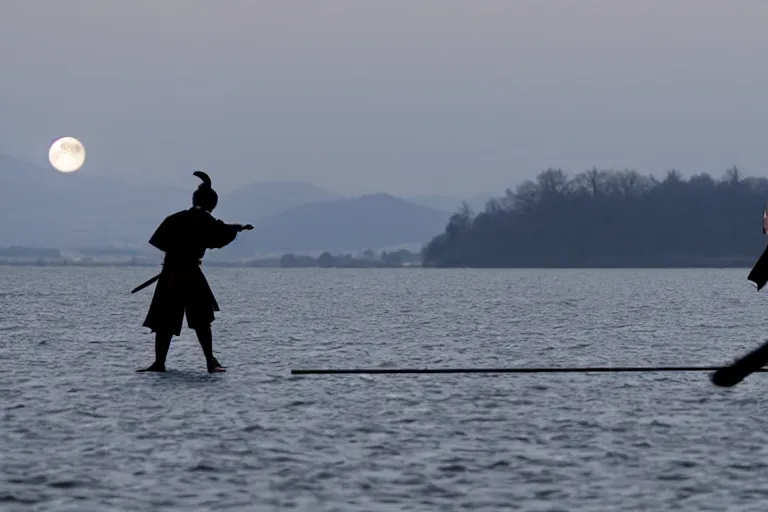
<point x="603" y="218"/>
<point x="325" y="260"/>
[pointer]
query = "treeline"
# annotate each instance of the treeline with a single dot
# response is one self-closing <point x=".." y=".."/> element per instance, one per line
<point x="18" y="252"/>
<point x="608" y="218"/>
<point x="369" y="259"/>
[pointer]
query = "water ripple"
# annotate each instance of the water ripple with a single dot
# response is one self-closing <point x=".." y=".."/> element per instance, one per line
<point x="82" y="431"/>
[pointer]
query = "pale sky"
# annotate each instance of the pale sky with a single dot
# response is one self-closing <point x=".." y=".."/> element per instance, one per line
<point x="401" y="96"/>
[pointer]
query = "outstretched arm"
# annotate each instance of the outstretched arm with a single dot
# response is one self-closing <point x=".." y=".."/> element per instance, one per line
<point x="222" y="234"/>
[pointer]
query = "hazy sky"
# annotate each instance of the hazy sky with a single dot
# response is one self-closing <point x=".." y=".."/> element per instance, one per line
<point x="403" y="96"/>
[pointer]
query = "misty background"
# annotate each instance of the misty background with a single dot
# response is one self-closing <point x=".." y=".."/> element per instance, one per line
<point x="324" y="118"/>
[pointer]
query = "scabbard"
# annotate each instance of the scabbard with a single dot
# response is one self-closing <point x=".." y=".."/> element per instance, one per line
<point x="145" y="284"/>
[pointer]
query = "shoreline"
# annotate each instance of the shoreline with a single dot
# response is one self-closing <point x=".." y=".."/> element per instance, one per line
<point x="362" y="265"/>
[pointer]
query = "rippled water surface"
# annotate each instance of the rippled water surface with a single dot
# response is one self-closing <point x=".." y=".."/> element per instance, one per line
<point x="82" y="431"/>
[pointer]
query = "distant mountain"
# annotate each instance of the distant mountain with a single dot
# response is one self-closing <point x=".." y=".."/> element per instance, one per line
<point x="446" y="204"/>
<point x="256" y="201"/>
<point x="42" y="207"/>
<point x="366" y="222"/>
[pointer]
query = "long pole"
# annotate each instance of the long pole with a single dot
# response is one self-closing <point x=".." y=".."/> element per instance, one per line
<point x="588" y="369"/>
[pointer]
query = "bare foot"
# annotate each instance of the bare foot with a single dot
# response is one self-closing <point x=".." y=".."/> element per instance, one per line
<point x="153" y="368"/>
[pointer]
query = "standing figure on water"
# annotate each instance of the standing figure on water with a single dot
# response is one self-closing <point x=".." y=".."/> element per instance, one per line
<point x="181" y="285"/>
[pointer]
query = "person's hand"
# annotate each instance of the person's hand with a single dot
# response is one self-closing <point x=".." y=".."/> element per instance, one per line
<point x="247" y="227"/>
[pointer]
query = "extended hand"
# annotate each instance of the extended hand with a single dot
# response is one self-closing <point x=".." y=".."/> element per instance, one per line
<point x="247" y="227"/>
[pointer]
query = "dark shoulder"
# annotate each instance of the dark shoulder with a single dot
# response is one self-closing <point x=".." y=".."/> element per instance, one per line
<point x="165" y="234"/>
<point x="176" y="216"/>
<point x="203" y="216"/>
<point x="170" y="221"/>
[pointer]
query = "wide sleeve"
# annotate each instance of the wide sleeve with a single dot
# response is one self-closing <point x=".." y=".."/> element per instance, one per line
<point x="220" y="234"/>
<point x="162" y="238"/>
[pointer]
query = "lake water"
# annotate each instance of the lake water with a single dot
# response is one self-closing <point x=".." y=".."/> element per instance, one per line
<point x="82" y="431"/>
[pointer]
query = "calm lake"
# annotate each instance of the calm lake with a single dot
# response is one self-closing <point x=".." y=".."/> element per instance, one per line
<point x="82" y="431"/>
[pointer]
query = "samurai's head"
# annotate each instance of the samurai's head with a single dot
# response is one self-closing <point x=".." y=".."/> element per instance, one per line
<point x="204" y="197"/>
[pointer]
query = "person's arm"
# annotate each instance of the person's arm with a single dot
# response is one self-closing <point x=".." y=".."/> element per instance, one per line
<point x="222" y="234"/>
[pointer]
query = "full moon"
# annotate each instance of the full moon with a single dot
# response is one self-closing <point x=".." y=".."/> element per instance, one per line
<point x="67" y="154"/>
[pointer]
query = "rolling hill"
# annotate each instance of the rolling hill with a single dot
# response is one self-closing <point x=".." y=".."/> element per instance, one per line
<point x="256" y="201"/>
<point x="367" y="222"/>
<point x="45" y="208"/>
<point x="42" y="208"/>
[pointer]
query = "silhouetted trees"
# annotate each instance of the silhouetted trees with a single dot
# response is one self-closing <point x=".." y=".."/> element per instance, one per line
<point x="29" y="253"/>
<point x="293" y="261"/>
<point x="607" y="218"/>
<point x="369" y="259"/>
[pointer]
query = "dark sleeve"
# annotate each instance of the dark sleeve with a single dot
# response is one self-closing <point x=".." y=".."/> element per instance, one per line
<point x="162" y="237"/>
<point x="220" y="234"/>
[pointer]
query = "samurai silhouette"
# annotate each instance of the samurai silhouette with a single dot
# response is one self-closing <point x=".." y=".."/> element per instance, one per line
<point x="181" y="285"/>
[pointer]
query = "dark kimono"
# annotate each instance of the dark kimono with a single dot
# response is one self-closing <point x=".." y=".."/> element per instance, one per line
<point x="182" y="287"/>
